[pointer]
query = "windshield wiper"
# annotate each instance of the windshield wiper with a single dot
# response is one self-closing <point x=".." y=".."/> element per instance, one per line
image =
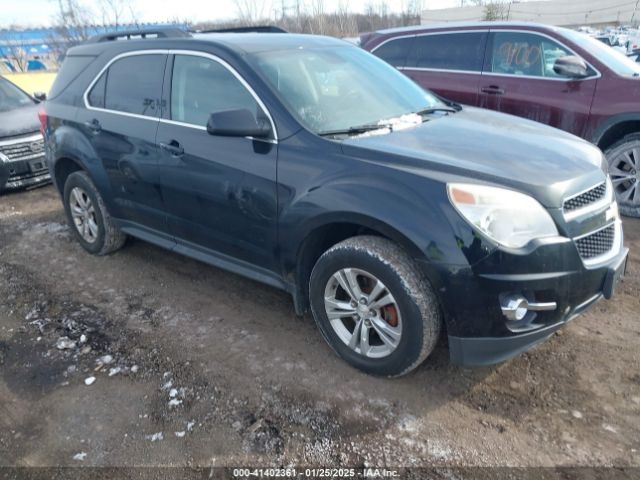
<point x="368" y="127"/>
<point x="427" y="111"/>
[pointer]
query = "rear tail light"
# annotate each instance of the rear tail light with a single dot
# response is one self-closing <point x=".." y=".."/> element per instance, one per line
<point x="42" y="115"/>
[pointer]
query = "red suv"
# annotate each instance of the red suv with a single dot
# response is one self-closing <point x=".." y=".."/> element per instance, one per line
<point x="552" y="75"/>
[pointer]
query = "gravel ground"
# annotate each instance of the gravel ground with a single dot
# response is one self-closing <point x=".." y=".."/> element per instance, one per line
<point x="145" y="357"/>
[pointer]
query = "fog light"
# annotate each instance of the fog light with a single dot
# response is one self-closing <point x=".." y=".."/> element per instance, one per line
<point x="516" y="307"/>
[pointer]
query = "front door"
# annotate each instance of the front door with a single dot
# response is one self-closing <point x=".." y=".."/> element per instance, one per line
<point x="518" y="78"/>
<point x="219" y="192"/>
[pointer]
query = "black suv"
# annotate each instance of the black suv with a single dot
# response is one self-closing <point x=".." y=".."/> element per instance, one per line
<point x="311" y="165"/>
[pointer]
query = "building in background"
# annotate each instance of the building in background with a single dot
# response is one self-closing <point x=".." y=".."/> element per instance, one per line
<point x="567" y="13"/>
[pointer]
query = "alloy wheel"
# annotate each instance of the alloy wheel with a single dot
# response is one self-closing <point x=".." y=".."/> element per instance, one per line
<point x="83" y="214"/>
<point x="624" y="169"/>
<point x="363" y="312"/>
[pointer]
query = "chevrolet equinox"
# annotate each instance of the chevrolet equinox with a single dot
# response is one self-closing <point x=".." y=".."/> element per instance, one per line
<point x="308" y="164"/>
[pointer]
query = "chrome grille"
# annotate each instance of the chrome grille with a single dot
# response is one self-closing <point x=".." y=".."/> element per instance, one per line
<point x="23" y="150"/>
<point x="597" y="243"/>
<point x="586" y="198"/>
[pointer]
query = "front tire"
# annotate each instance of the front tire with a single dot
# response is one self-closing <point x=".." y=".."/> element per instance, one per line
<point x="623" y="158"/>
<point x="88" y="217"/>
<point x="374" y="307"/>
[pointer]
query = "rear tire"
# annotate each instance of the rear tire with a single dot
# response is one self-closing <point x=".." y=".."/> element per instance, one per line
<point x="391" y="306"/>
<point x="88" y="217"/>
<point x="623" y="158"/>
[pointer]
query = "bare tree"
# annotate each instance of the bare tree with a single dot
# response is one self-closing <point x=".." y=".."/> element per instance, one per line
<point x="313" y="16"/>
<point x="71" y="24"/>
<point x="112" y="11"/>
<point x="318" y="17"/>
<point x="495" y="10"/>
<point x="249" y="11"/>
<point x="15" y="48"/>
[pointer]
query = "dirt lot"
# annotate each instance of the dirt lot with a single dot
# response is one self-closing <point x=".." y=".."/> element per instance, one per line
<point x="207" y="368"/>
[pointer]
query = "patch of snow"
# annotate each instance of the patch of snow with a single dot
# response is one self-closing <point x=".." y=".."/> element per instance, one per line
<point x="167" y="385"/>
<point x="105" y="360"/>
<point x="65" y="343"/>
<point x="89" y="380"/>
<point x="80" y="456"/>
<point x="156" y="437"/>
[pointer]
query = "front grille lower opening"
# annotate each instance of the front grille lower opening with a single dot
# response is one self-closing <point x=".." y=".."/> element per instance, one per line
<point x="597" y="243"/>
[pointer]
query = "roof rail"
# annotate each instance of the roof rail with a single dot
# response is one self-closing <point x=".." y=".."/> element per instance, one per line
<point x="250" y="29"/>
<point x="139" y="34"/>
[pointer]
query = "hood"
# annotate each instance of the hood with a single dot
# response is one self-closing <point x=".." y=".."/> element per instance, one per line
<point x="19" y="121"/>
<point x="482" y="145"/>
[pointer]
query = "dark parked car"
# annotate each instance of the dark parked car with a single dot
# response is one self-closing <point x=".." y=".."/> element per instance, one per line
<point x="22" y="162"/>
<point x="553" y="75"/>
<point x="306" y="163"/>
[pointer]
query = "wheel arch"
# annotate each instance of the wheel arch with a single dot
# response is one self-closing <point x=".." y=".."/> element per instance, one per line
<point x="74" y="152"/>
<point x="615" y="129"/>
<point x="324" y="234"/>
<point x="62" y="168"/>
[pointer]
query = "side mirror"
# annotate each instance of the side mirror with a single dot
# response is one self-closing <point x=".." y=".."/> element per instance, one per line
<point x="571" y="66"/>
<point x="40" y="96"/>
<point x="237" y="123"/>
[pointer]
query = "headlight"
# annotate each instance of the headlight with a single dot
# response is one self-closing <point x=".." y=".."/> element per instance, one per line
<point x="510" y="218"/>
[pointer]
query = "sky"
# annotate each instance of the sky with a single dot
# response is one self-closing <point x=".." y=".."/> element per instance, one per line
<point x="40" y="12"/>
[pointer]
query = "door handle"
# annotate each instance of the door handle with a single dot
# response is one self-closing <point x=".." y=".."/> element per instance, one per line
<point x="93" y="126"/>
<point x="492" y="90"/>
<point x="173" y="148"/>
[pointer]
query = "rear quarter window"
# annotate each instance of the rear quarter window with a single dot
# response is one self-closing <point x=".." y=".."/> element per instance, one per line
<point x="449" y="51"/>
<point x="72" y="66"/>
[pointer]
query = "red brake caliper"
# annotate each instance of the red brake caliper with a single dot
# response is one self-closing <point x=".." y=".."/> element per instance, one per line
<point x="390" y="315"/>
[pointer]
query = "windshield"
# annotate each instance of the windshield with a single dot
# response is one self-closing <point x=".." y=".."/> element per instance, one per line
<point x="11" y="97"/>
<point x="333" y="89"/>
<point x="612" y="58"/>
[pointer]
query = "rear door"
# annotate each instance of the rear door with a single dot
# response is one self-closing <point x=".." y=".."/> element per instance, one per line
<point x="518" y="78"/>
<point x="121" y="119"/>
<point x="448" y="63"/>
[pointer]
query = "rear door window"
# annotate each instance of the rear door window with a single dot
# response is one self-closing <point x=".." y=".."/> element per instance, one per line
<point x="463" y="51"/>
<point x="395" y="51"/>
<point x="131" y="84"/>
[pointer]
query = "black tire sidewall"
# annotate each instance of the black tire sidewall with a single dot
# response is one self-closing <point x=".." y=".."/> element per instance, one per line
<point x="411" y="341"/>
<point x="78" y="179"/>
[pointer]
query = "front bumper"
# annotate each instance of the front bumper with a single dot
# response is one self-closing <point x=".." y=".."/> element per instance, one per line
<point x="22" y="163"/>
<point x="480" y="334"/>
